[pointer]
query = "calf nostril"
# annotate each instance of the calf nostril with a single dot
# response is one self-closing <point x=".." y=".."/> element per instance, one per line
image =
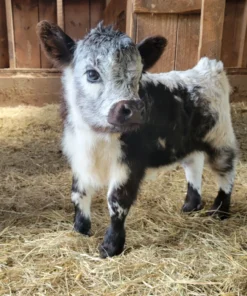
<point x="126" y="111"/>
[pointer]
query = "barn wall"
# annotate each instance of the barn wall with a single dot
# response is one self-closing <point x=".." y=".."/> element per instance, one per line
<point x="4" y="56"/>
<point x="183" y="30"/>
<point x="24" y="68"/>
<point x="79" y="17"/>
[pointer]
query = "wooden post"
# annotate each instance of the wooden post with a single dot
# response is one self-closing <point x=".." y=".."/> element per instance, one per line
<point x="241" y="56"/>
<point x="131" y="20"/>
<point x="211" y="28"/>
<point x="60" y="16"/>
<point x="10" y="32"/>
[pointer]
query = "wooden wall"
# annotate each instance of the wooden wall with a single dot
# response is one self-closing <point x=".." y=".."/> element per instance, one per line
<point x="25" y="76"/>
<point x="183" y="30"/>
<point x="4" y="56"/>
<point x="79" y="16"/>
<point x="234" y="45"/>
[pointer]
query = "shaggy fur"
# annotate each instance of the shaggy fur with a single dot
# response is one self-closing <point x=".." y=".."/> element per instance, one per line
<point x="187" y="115"/>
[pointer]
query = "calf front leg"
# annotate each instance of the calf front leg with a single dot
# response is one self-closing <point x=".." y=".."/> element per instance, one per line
<point x="120" y="200"/>
<point x="81" y="197"/>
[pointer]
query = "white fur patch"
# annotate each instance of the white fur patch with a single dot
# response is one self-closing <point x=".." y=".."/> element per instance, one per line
<point x="226" y="182"/>
<point x="83" y="202"/>
<point x="193" y="167"/>
<point x="95" y="158"/>
<point x="118" y="210"/>
<point x="162" y="142"/>
<point x="178" y="99"/>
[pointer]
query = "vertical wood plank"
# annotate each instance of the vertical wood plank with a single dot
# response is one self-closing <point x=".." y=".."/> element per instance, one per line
<point x="229" y="51"/>
<point x="96" y="12"/>
<point x="187" y="41"/>
<point x="161" y="24"/>
<point x="244" y="61"/>
<point x="25" y="14"/>
<point x="60" y="14"/>
<point x="47" y="11"/>
<point x="211" y="28"/>
<point x="234" y="41"/>
<point x="10" y="32"/>
<point x="131" y="20"/>
<point x="4" y="56"/>
<point x="115" y="14"/>
<point x="242" y="43"/>
<point x="76" y="18"/>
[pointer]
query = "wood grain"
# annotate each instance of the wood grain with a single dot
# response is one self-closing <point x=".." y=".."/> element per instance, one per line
<point x="131" y="20"/>
<point x="10" y="33"/>
<point x="159" y="24"/>
<point x="60" y="14"/>
<point x="234" y="43"/>
<point x="242" y="38"/>
<point x="211" y="28"/>
<point x="47" y="11"/>
<point x="167" y="6"/>
<point x="115" y="13"/>
<point x="4" y="56"/>
<point x="76" y="18"/>
<point x="187" y="41"/>
<point x="96" y="12"/>
<point x="26" y="43"/>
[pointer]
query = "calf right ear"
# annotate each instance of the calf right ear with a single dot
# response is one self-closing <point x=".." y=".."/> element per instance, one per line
<point x="151" y="50"/>
<point x="57" y="46"/>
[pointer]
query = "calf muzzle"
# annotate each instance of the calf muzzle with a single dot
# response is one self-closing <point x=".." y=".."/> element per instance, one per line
<point x="126" y="113"/>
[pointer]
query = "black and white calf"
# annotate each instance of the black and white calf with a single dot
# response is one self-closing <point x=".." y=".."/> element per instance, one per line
<point x="120" y="120"/>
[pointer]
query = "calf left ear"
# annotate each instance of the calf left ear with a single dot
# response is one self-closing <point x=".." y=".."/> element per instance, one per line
<point x="151" y="50"/>
<point x="57" y="46"/>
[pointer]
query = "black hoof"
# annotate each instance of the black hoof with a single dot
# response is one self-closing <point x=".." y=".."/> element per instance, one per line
<point x="192" y="207"/>
<point x="113" y="244"/>
<point x="82" y="225"/>
<point x="219" y="213"/>
<point x="221" y="206"/>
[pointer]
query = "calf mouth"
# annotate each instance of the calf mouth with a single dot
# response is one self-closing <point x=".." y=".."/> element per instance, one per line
<point x="117" y="128"/>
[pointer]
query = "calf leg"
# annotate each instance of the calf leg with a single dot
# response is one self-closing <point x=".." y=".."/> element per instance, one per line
<point x="193" y="167"/>
<point x="81" y="197"/>
<point x="223" y="163"/>
<point x="120" y="200"/>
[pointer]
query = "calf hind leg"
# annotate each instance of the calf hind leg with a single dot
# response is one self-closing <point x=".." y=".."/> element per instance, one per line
<point x="193" y="167"/>
<point x="223" y="163"/>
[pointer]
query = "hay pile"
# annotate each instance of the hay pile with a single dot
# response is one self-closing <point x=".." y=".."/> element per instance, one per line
<point x="167" y="253"/>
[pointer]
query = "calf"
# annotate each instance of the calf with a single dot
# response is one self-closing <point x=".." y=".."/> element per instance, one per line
<point x="120" y="120"/>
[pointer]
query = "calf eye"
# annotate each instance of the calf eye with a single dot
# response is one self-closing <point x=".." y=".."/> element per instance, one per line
<point x="93" y="76"/>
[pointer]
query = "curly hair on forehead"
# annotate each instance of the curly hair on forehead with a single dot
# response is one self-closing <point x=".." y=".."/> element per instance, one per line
<point x="102" y="34"/>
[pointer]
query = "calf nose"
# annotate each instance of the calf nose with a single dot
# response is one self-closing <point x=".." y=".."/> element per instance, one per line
<point x="127" y="112"/>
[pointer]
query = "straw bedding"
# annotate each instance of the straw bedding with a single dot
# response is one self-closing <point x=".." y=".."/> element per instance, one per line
<point x="167" y="253"/>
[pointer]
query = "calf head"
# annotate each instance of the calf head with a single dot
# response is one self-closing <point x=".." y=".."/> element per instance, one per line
<point x="106" y="67"/>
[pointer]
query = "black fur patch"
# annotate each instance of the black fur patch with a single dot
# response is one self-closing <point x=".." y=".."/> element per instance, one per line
<point x="221" y="205"/>
<point x="192" y="200"/>
<point x="57" y="46"/>
<point x="113" y="243"/>
<point x="81" y="223"/>
<point x="151" y="50"/>
<point x="124" y="196"/>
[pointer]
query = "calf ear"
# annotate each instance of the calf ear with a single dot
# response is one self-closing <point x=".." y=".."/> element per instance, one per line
<point x="151" y="49"/>
<point x="58" y="46"/>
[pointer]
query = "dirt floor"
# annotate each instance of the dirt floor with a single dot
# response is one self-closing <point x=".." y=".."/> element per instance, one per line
<point x="167" y="253"/>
